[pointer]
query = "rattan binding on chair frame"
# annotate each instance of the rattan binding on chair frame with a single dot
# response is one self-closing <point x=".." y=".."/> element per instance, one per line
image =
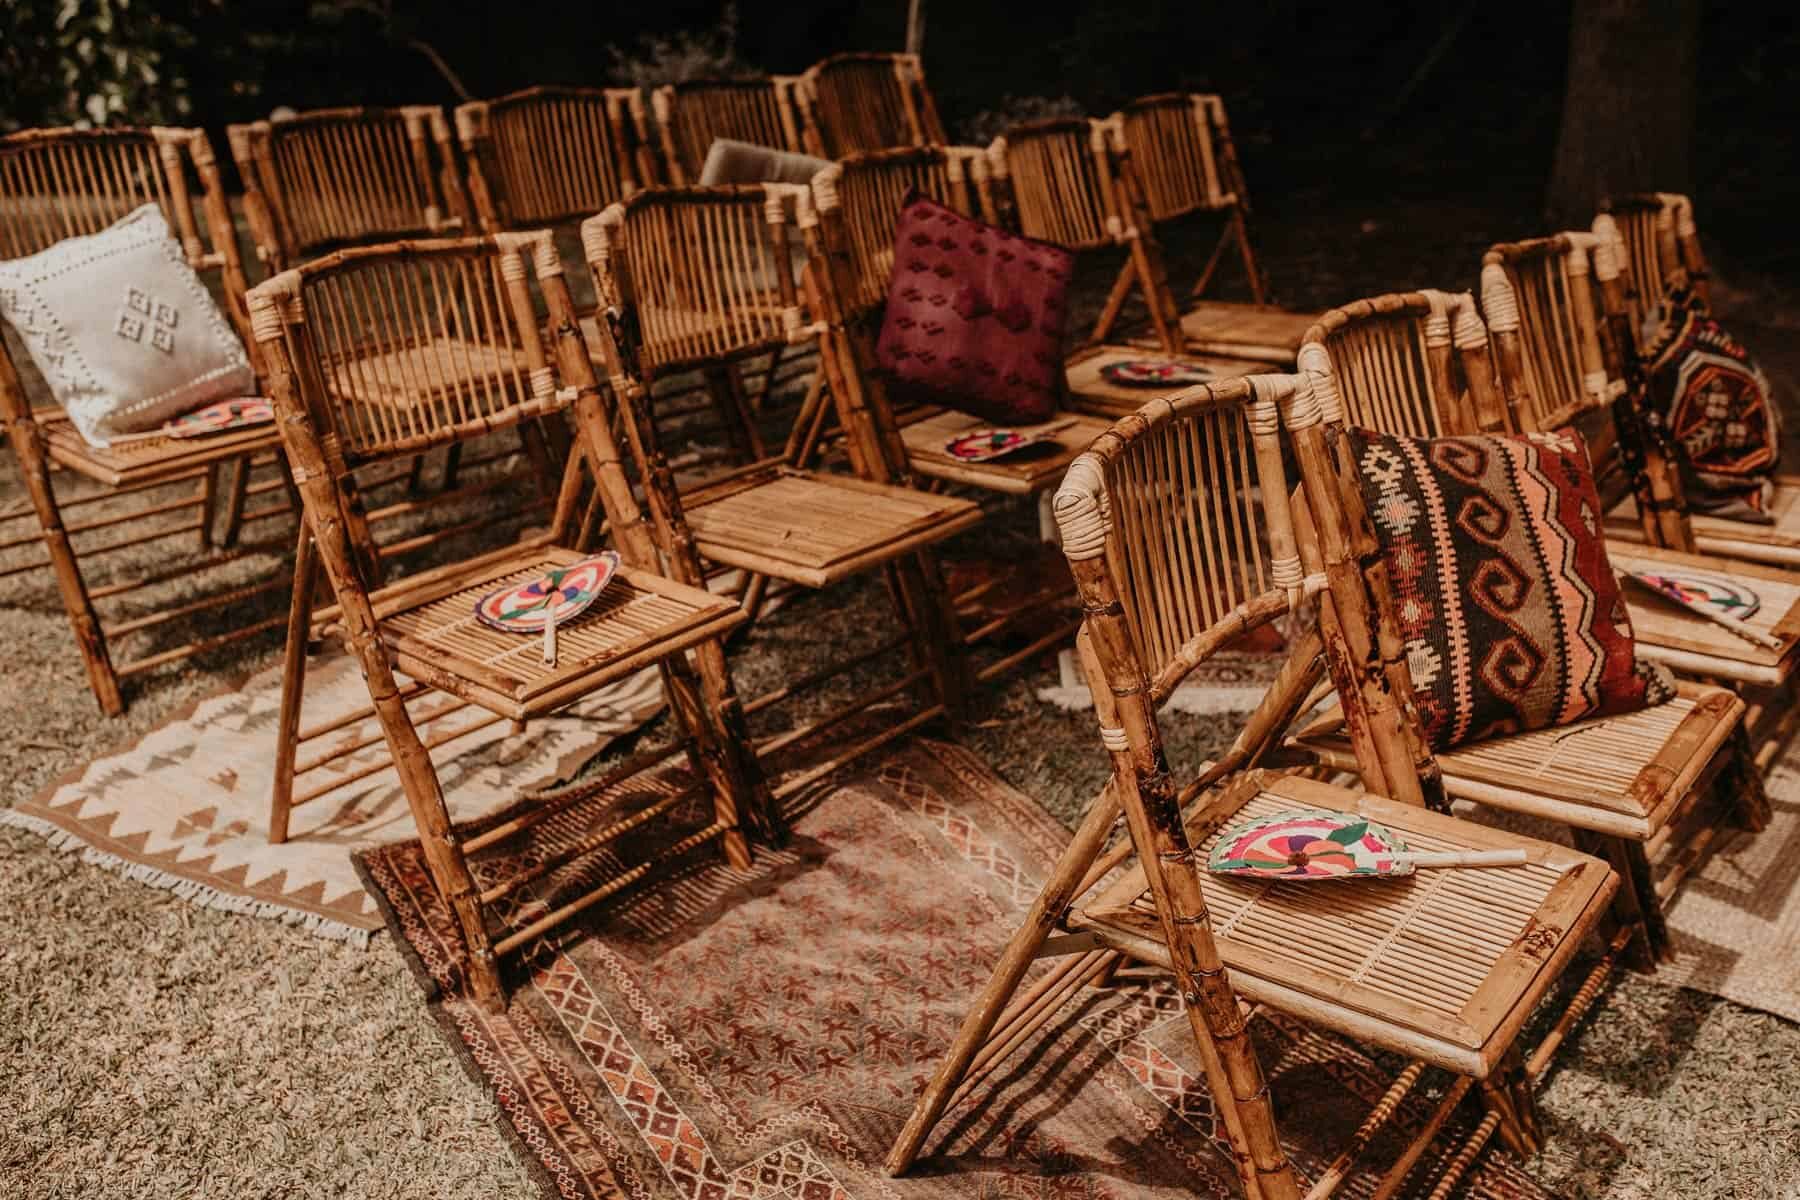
<point x="1178" y="530"/>
<point x="60" y="183"/>
<point x="343" y="176"/>
<point x="311" y="320"/>
<point x="1419" y="364"/>
<point x="691" y="115"/>
<point x="1659" y="245"/>
<point x="702" y="278"/>
<point x="865" y="100"/>
<point x="548" y="156"/>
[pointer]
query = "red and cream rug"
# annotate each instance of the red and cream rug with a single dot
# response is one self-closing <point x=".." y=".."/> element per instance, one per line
<point x="761" y="1034"/>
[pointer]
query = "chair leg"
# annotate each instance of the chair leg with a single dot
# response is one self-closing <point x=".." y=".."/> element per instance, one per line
<point x="27" y="440"/>
<point x="452" y="465"/>
<point x="710" y="752"/>
<point x="209" y="494"/>
<point x="1259" y="289"/>
<point x="1062" y="888"/>
<point x="1635" y="904"/>
<point x="234" y="502"/>
<point x="1743" y="784"/>
<point x="293" y="686"/>
<point x="921" y="582"/>
<point x="1507" y="1096"/>
<point x="1115" y="302"/>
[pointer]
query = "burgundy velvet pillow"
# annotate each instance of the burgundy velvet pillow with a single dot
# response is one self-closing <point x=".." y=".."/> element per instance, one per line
<point x="975" y="317"/>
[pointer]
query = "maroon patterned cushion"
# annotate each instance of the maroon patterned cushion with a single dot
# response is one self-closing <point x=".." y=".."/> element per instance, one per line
<point x="975" y="317"/>
<point x="1511" y="614"/>
<point x="1708" y="394"/>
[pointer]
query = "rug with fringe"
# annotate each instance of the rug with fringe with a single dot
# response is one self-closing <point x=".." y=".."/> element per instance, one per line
<point x="761" y="1034"/>
<point x="187" y="807"/>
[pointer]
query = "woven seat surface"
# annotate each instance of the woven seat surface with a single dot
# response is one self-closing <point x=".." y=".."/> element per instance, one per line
<point x="1259" y="331"/>
<point x="1025" y="472"/>
<point x="142" y="458"/>
<point x="814" y="529"/>
<point x="1442" y="963"/>
<point x="1622" y="774"/>
<point x="638" y="619"/>
<point x="1776" y="542"/>
<point x="1092" y="392"/>
<point x="1668" y="633"/>
<point x="411" y="375"/>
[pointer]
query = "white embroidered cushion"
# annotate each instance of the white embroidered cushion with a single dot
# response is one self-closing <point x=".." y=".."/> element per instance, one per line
<point x="122" y="328"/>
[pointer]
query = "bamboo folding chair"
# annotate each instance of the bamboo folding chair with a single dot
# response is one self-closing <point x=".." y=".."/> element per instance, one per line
<point x="1185" y="162"/>
<point x="691" y="115"/>
<point x="1654" y="238"/>
<point x="867" y="101"/>
<point x="701" y="278"/>
<point x="1178" y="529"/>
<point x="317" y="322"/>
<point x="1064" y="181"/>
<point x="1418" y="364"/>
<point x="549" y="156"/>
<point x="62" y="183"/>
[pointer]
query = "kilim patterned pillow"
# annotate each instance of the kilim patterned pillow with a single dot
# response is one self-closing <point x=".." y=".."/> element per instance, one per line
<point x="1704" y="389"/>
<point x="975" y="317"/>
<point x="1511" y="614"/>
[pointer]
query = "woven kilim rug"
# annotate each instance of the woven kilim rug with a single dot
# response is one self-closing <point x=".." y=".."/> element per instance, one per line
<point x="760" y="1035"/>
<point x="187" y="807"/>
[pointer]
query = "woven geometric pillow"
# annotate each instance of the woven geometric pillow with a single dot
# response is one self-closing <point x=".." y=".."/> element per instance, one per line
<point x="975" y="317"/>
<point x="124" y="332"/>
<point x="1511" y="615"/>
<point x="1703" y="388"/>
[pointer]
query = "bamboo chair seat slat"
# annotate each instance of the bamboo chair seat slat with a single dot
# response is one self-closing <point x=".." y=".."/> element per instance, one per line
<point x="638" y="619"/>
<point x="136" y="460"/>
<point x="1684" y="640"/>
<point x="1260" y="332"/>
<point x="815" y="529"/>
<point x="1621" y="775"/>
<point x="1777" y="542"/>
<point x="1441" y="965"/>
<point x="1025" y="472"/>
<point x="1092" y="392"/>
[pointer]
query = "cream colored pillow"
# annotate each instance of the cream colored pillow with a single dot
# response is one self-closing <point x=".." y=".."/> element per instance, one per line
<point x="124" y="332"/>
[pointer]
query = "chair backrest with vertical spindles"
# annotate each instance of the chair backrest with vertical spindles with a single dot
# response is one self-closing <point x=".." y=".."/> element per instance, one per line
<point x="1181" y="151"/>
<point x="1187" y="499"/>
<point x="547" y="155"/>
<point x="691" y="115"/>
<point x="1658" y="244"/>
<point x="861" y="197"/>
<point x="1411" y="363"/>
<point x="868" y="101"/>
<point x="700" y="275"/>
<point x="1541" y="303"/>
<point x="63" y="183"/>
<point x="348" y="176"/>
<point x="401" y="347"/>
<point x="1057" y="179"/>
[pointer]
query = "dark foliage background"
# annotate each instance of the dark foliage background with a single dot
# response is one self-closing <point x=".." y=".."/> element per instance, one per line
<point x="1318" y="94"/>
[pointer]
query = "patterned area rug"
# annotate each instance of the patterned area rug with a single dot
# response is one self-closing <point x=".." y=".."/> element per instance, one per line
<point x="187" y="807"/>
<point x="760" y="1035"/>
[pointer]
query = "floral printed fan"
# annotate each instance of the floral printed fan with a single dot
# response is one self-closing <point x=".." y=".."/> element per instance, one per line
<point x="981" y="445"/>
<point x="1154" y="372"/>
<point x="1309" y="844"/>
<point x="548" y="600"/>
<point x="216" y="418"/>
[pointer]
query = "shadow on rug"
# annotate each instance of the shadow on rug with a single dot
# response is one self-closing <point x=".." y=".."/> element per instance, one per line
<point x="761" y="1034"/>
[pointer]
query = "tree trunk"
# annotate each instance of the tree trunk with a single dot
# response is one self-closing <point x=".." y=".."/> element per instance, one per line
<point x="1628" y="108"/>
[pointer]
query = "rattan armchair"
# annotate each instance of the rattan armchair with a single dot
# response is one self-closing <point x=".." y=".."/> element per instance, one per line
<point x="1179" y="533"/>
<point x="62" y="183"/>
<point x="1185" y="163"/>
<point x="701" y="279"/>
<point x="691" y="115"/>
<point x="425" y="627"/>
<point x="1419" y="364"/>
<point x="867" y="101"/>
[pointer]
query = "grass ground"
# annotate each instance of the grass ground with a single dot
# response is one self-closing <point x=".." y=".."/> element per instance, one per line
<point x="152" y="1049"/>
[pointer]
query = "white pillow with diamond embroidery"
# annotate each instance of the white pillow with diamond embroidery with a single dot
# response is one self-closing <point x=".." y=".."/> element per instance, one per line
<point x="122" y="328"/>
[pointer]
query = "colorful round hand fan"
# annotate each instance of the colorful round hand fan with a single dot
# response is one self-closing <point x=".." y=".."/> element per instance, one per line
<point x="1154" y="372"/>
<point x="217" y="418"/>
<point x="1308" y="844"/>
<point x="1719" y="598"/>
<point x="980" y="445"/>
<point x="549" y="600"/>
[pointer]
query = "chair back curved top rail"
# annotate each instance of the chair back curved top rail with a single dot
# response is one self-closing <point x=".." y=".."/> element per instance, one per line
<point x="1054" y="180"/>
<point x="860" y="197"/>
<point x="1181" y="147"/>
<point x="63" y="183"/>
<point x="867" y="101"/>
<point x="343" y="176"/>
<point x="1556" y="355"/>
<point x="692" y="114"/>
<point x="547" y="155"/>
<point x="1658" y="242"/>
